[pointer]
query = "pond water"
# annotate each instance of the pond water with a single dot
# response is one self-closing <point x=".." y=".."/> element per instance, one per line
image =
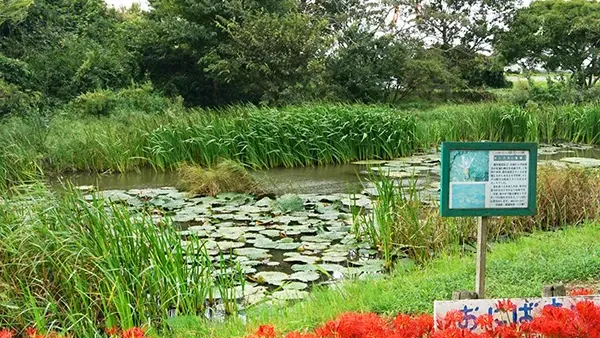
<point x="287" y="243"/>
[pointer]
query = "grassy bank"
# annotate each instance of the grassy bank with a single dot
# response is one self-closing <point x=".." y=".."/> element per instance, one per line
<point x="260" y="138"/>
<point x="270" y="137"/>
<point x="515" y="269"/>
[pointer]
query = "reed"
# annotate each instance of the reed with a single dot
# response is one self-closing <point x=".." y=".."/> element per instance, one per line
<point x="73" y="266"/>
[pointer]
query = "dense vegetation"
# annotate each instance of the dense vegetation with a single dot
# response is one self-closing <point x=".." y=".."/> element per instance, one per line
<point x="54" y="53"/>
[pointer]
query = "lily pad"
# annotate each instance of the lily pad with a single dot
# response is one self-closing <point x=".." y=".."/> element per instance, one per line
<point x="295" y="286"/>
<point x="271" y="277"/>
<point x="303" y="267"/>
<point x="302" y="259"/>
<point x="252" y="253"/>
<point x="227" y="245"/>
<point x="305" y="276"/>
<point x="585" y="162"/>
<point x="289" y="295"/>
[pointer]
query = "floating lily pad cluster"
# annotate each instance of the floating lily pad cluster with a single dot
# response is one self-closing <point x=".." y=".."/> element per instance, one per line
<point x="283" y="245"/>
<point x="286" y="244"/>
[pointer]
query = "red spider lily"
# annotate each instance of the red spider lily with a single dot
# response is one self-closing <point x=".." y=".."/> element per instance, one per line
<point x="506" y="306"/>
<point x="264" y="331"/>
<point x="581" y="292"/>
<point x="408" y="327"/>
<point x="300" y="335"/>
<point x="32" y="332"/>
<point x="485" y="322"/>
<point x="134" y="332"/>
<point x="111" y="331"/>
<point x="355" y="325"/>
<point x="450" y="320"/>
<point x="556" y="322"/>
<point x="6" y="333"/>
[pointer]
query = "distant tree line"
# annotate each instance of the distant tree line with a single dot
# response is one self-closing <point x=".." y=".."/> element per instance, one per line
<point x="213" y="53"/>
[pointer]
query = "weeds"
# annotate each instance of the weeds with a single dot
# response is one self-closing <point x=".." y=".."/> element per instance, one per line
<point x="401" y="225"/>
<point x="73" y="266"/>
<point x="226" y="176"/>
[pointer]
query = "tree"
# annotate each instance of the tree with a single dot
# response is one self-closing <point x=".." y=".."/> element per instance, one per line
<point x="558" y="34"/>
<point x="449" y="23"/>
<point x="274" y="58"/>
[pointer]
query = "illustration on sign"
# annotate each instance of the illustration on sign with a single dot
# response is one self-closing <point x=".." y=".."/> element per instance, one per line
<point x="525" y="309"/>
<point x="489" y="179"/>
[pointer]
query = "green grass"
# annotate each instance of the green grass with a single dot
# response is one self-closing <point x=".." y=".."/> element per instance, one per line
<point x="515" y="269"/>
<point x="400" y="225"/>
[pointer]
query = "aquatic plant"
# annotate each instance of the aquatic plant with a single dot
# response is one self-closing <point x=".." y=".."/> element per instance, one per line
<point x="225" y="176"/>
<point x="290" y="203"/>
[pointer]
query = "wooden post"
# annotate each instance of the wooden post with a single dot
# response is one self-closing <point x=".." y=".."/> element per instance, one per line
<point x="482" y="225"/>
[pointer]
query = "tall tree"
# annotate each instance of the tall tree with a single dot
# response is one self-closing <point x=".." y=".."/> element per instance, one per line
<point x="558" y="34"/>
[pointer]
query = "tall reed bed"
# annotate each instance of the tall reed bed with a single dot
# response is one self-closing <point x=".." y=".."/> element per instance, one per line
<point x="73" y="266"/>
<point x="271" y="137"/>
<point x="402" y="225"/>
<point x="509" y="123"/>
<point x="257" y="137"/>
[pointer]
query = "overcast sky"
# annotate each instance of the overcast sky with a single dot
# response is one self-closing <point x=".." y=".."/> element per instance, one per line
<point x="126" y="3"/>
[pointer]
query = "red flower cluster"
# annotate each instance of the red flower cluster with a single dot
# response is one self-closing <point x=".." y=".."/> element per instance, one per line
<point x="581" y="321"/>
<point x="582" y="292"/>
<point x="134" y="332"/>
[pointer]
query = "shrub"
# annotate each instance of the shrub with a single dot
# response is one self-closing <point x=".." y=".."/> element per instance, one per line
<point x="226" y="176"/>
<point x="105" y="102"/>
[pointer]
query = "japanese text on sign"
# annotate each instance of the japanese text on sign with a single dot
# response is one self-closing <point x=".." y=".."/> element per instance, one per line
<point x="525" y="311"/>
<point x="481" y="179"/>
<point x="509" y="174"/>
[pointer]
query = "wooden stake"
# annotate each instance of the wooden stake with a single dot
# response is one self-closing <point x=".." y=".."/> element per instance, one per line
<point x="482" y="226"/>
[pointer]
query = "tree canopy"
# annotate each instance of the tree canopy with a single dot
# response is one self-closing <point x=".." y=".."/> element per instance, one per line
<point x="213" y="53"/>
<point x="559" y="35"/>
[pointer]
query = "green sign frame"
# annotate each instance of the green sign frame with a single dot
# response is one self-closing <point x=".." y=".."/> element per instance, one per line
<point x="448" y="147"/>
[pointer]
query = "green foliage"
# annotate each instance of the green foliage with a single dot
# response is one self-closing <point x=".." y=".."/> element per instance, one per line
<point x="275" y="58"/>
<point x="515" y="269"/>
<point x="558" y="34"/>
<point x="75" y="266"/>
<point x="15" y="102"/>
<point x="134" y="99"/>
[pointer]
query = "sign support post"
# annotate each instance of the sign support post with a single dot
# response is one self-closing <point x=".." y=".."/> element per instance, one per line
<point x="482" y="225"/>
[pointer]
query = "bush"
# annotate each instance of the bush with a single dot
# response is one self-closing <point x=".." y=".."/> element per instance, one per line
<point x="226" y="176"/>
<point x="15" y="102"/>
<point x="137" y="98"/>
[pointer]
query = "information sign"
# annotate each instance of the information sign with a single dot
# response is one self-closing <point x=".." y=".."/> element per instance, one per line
<point x="488" y="179"/>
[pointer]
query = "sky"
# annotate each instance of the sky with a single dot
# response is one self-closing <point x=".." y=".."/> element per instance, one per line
<point x="126" y="3"/>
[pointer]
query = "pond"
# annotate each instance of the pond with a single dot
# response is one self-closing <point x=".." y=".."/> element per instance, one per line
<point x="301" y="232"/>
